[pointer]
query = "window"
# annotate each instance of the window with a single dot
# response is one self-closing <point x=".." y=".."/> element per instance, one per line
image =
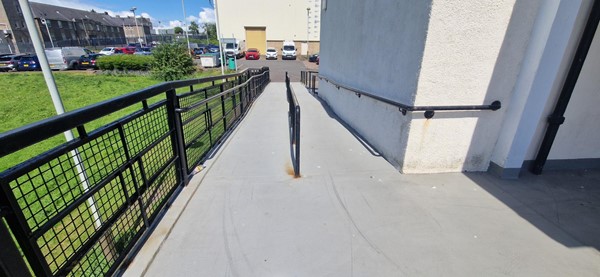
<point x="48" y="23"/>
<point x="98" y="27"/>
<point x="60" y="24"/>
<point x="18" y="8"/>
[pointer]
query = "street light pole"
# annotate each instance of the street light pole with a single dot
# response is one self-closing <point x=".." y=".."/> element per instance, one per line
<point x="48" y="31"/>
<point x="219" y="36"/>
<point x="58" y="105"/>
<point x="136" y="25"/>
<point x="7" y="31"/>
<point x="186" y="31"/>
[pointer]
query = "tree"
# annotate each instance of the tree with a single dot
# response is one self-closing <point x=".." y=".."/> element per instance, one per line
<point x="178" y="30"/>
<point x="211" y="30"/>
<point x="172" y="62"/>
<point x="194" y="28"/>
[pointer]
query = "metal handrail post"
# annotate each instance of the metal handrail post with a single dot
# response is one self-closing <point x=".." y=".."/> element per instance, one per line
<point x="177" y="140"/>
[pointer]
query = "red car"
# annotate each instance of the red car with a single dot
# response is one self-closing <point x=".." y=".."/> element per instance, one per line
<point x="125" y="50"/>
<point x="252" y="54"/>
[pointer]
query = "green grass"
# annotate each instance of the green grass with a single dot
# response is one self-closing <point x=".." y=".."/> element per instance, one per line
<point x="25" y="100"/>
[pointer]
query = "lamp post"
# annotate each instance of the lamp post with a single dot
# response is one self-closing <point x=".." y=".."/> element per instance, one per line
<point x="186" y="31"/>
<point x="8" y="35"/>
<point x="48" y="31"/>
<point x="307" y="28"/>
<point x="219" y="36"/>
<point x="136" y="25"/>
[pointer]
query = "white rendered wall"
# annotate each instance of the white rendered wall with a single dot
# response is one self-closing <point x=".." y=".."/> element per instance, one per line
<point x="283" y="19"/>
<point x="553" y="40"/>
<point x="462" y="54"/>
<point x="579" y="136"/>
<point x="426" y="53"/>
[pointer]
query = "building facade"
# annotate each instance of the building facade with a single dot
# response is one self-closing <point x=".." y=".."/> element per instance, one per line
<point x="61" y="26"/>
<point x="441" y="53"/>
<point x="269" y="23"/>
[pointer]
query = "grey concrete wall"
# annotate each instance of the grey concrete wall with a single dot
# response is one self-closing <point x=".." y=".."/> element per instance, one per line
<point x="376" y="47"/>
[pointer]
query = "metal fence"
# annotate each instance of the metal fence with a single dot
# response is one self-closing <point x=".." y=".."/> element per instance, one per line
<point x="294" y="125"/>
<point x="310" y="80"/>
<point x="80" y="208"/>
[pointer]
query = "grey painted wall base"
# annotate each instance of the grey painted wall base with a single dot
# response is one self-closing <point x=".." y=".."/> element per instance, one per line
<point x="504" y="173"/>
<point x="551" y="165"/>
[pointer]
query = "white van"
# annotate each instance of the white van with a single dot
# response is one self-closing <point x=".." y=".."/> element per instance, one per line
<point x="64" y="58"/>
<point x="288" y="51"/>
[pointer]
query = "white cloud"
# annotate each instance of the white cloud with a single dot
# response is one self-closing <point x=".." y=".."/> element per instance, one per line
<point x="192" y="18"/>
<point x="175" y="23"/>
<point x="207" y="15"/>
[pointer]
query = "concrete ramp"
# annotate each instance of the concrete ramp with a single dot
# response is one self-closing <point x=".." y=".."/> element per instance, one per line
<point x="350" y="214"/>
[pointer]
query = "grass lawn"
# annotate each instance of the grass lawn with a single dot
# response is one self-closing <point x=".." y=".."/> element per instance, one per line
<point x="25" y="100"/>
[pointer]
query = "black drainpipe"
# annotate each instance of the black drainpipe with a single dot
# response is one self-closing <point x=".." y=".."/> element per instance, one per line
<point x="557" y="117"/>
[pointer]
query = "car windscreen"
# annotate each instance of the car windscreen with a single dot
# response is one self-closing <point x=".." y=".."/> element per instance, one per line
<point x="289" y="47"/>
<point x="252" y="50"/>
<point x="271" y="50"/>
<point x="231" y="46"/>
<point x="107" y="49"/>
<point x="5" y="59"/>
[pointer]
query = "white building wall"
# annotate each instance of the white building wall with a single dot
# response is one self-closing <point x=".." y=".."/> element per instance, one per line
<point x="283" y="19"/>
<point x="427" y="53"/>
<point x="554" y="39"/>
<point x="462" y="53"/>
<point x="579" y="136"/>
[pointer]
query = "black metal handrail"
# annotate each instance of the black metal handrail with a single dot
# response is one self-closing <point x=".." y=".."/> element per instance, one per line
<point x="429" y="110"/>
<point x="294" y="125"/>
<point x="83" y="206"/>
<point x="309" y="79"/>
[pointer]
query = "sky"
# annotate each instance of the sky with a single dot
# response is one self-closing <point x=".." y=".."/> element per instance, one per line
<point x="164" y="14"/>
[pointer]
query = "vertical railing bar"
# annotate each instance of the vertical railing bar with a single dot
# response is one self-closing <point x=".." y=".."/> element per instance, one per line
<point x="177" y="141"/>
<point x="140" y="200"/>
<point x="297" y="133"/>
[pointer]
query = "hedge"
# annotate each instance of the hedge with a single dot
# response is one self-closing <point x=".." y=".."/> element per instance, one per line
<point x="125" y="62"/>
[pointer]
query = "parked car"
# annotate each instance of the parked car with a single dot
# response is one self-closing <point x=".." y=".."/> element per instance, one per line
<point x="143" y="51"/>
<point x="199" y="51"/>
<point x="252" y="54"/>
<point x="271" y="53"/>
<point x="28" y="63"/>
<point x="89" y="61"/>
<point x="313" y="57"/>
<point x="288" y="51"/>
<point x="107" y="51"/>
<point x="64" y="58"/>
<point x="9" y="62"/>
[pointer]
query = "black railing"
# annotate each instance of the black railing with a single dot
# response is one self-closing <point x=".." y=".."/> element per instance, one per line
<point x="429" y="110"/>
<point x="309" y="79"/>
<point x="294" y="125"/>
<point x="80" y="208"/>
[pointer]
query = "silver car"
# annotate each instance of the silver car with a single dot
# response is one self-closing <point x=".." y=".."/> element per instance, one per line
<point x="271" y="53"/>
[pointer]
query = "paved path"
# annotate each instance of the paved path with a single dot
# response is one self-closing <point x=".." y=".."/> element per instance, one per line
<point x="351" y="213"/>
